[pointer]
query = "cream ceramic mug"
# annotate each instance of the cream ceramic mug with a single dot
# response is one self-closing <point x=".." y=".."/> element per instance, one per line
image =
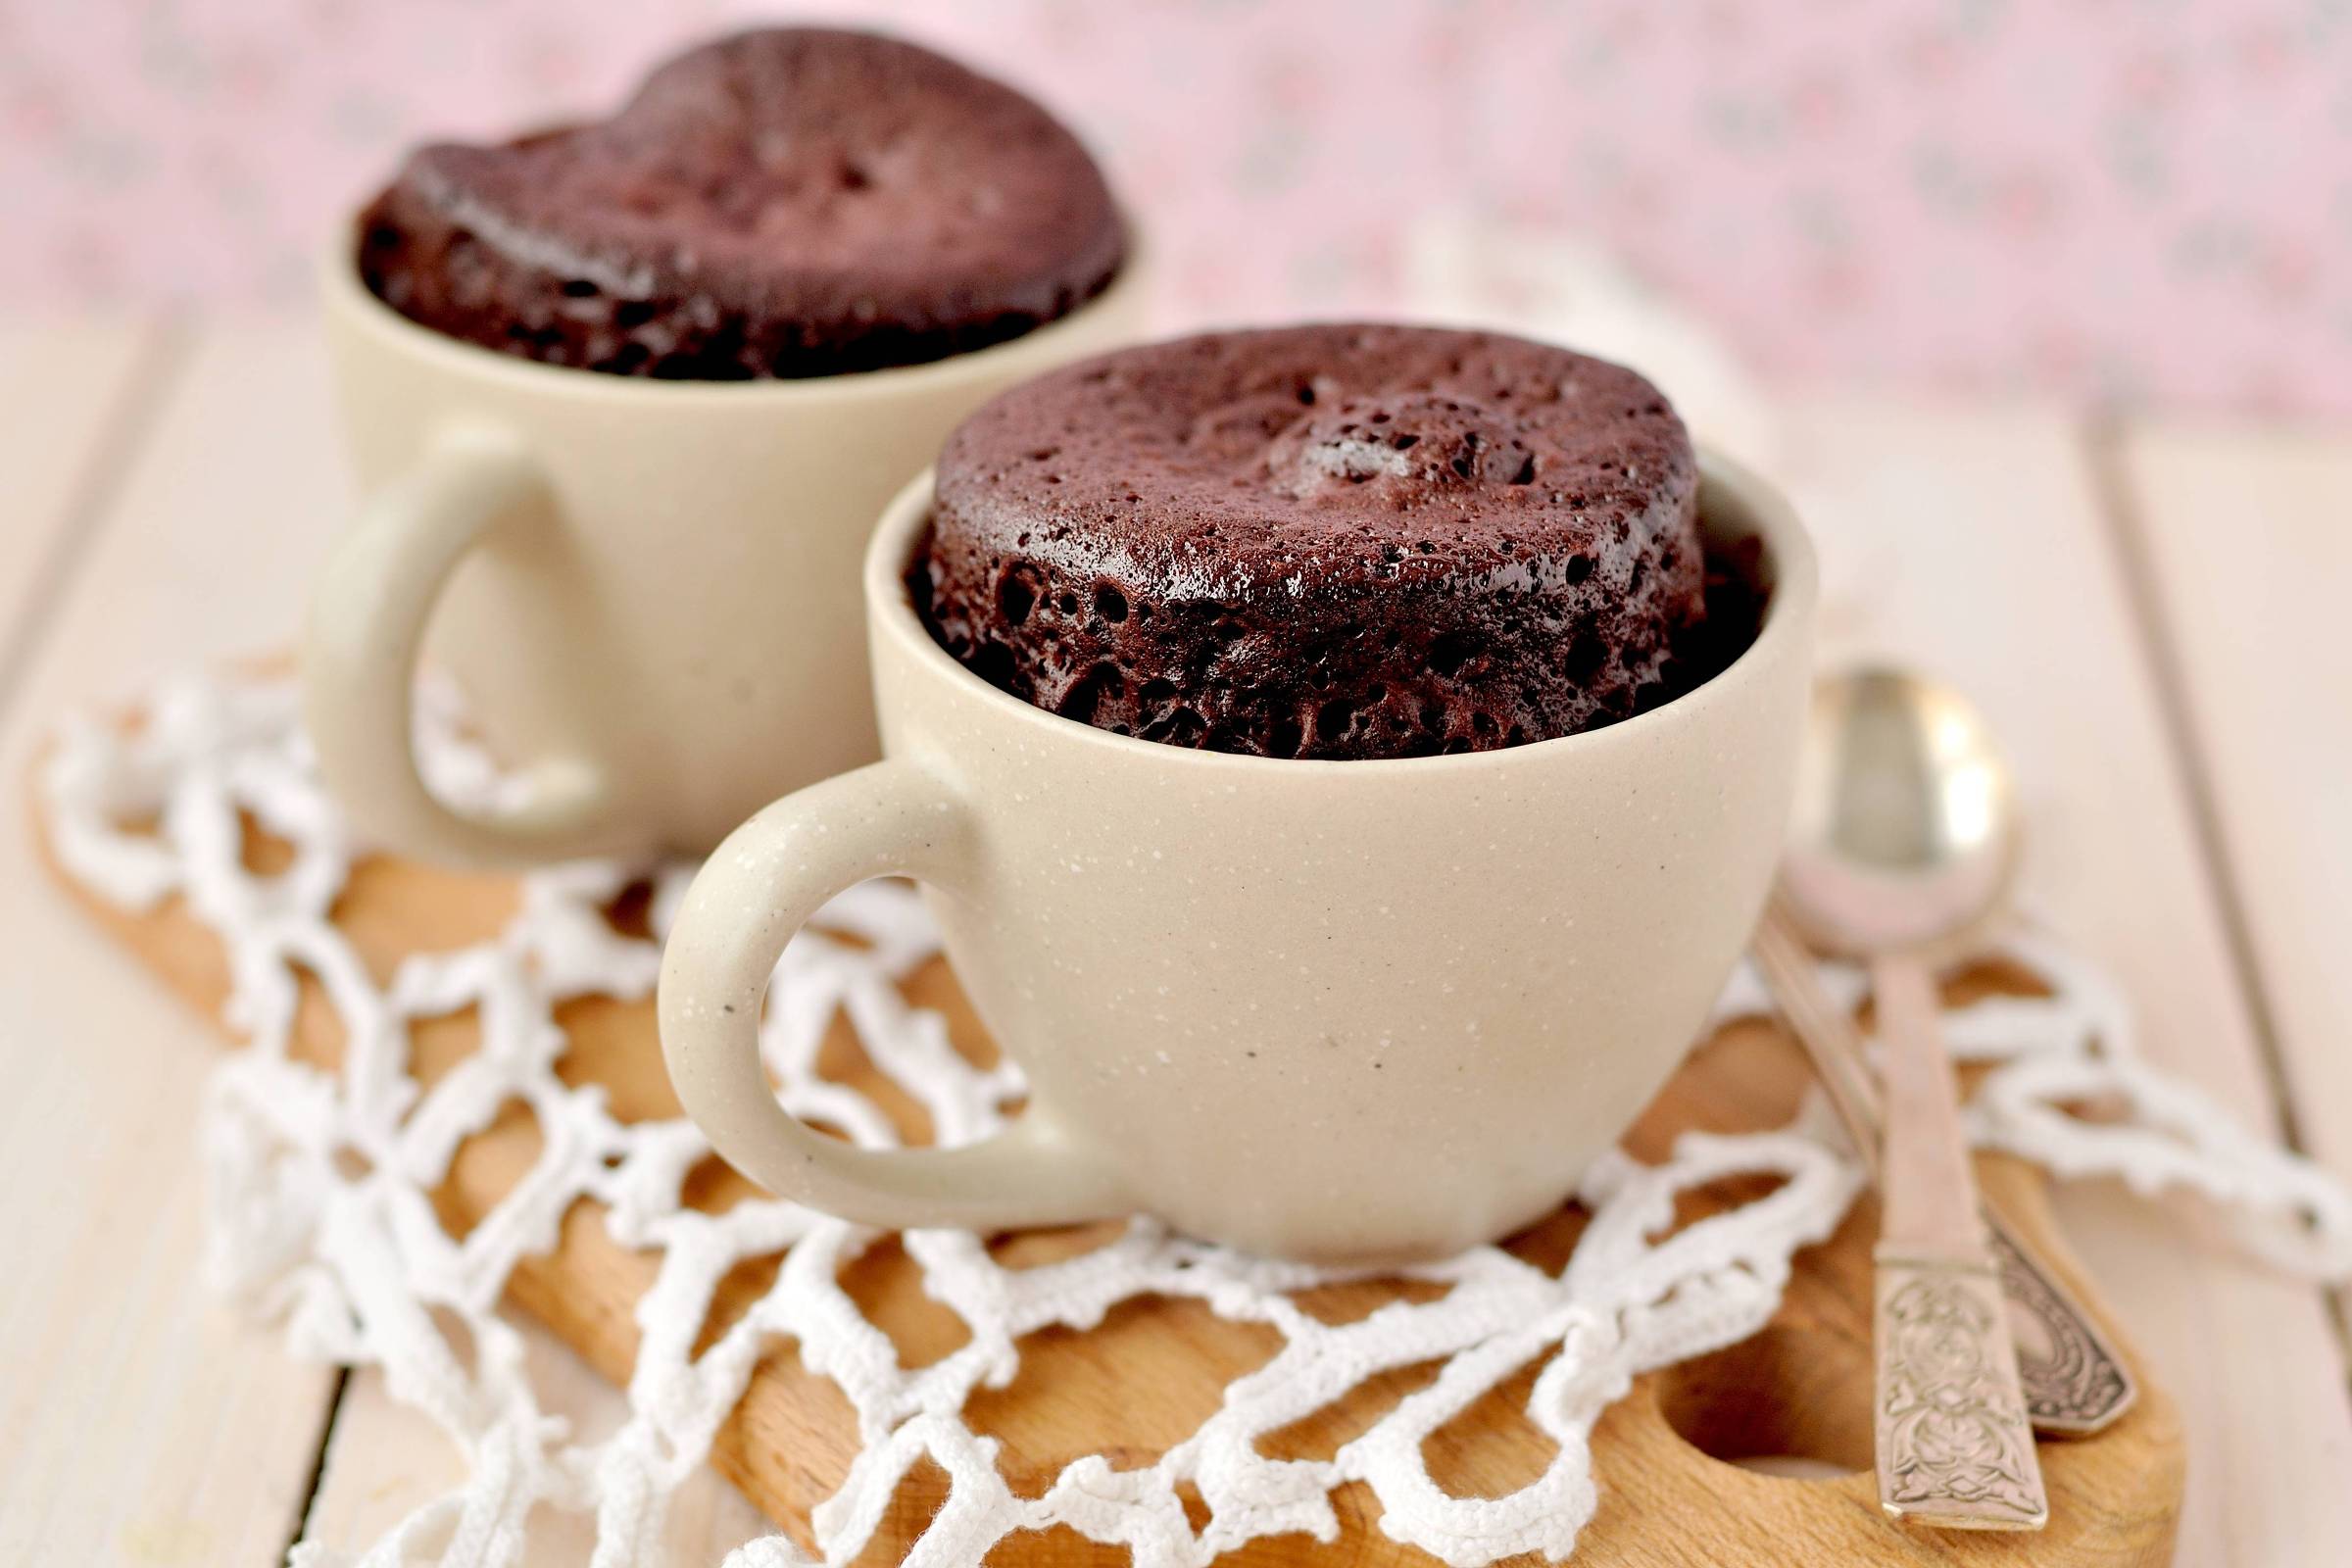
<point x="648" y="590"/>
<point x="1338" y="1010"/>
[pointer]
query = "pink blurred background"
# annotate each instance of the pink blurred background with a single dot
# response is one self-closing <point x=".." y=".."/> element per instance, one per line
<point x="2135" y="201"/>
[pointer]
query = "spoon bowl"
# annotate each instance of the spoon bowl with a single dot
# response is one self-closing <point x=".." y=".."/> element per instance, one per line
<point x="1903" y="836"/>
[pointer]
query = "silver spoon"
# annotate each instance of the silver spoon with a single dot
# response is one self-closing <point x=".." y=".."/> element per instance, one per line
<point x="1902" y="844"/>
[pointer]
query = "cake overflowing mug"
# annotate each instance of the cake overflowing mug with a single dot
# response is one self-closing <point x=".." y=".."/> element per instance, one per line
<point x="647" y="586"/>
<point x="1332" y="1010"/>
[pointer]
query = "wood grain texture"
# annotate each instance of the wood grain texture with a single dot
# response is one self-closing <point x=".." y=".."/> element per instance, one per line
<point x="141" y="1421"/>
<point x="1971" y="541"/>
<point x="1156" y="1368"/>
<point x="2247" y="537"/>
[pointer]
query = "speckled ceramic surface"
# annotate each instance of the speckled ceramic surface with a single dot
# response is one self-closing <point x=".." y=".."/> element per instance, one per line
<point x="647" y="589"/>
<point x="1328" y="1009"/>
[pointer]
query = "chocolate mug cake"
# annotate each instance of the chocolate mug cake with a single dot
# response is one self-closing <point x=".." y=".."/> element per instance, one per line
<point x="1356" y="1010"/>
<point x="646" y="581"/>
<point x="1330" y="541"/>
<point x="786" y="201"/>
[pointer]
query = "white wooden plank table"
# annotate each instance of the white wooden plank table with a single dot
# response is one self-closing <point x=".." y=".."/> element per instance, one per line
<point x="2246" y="545"/>
<point x="2183" y="721"/>
<point x="139" y="1421"/>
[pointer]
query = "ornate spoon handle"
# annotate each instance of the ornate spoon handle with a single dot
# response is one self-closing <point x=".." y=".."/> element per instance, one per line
<point x="2074" y="1382"/>
<point x="1954" y="1447"/>
<point x="1954" y="1450"/>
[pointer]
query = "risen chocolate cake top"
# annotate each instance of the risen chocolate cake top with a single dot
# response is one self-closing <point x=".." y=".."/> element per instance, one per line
<point x="1323" y="541"/>
<point x="794" y="201"/>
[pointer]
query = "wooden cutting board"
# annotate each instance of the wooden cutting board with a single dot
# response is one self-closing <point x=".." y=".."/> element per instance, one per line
<point x="1796" y="1397"/>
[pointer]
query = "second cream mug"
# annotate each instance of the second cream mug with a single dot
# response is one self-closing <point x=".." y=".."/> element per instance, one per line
<point x="1338" y="1010"/>
<point x="647" y="590"/>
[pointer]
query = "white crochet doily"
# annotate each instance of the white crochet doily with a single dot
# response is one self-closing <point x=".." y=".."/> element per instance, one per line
<point x="348" y="1255"/>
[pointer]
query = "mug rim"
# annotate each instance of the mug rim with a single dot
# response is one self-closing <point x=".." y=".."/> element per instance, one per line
<point x="1787" y="615"/>
<point x="344" y="294"/>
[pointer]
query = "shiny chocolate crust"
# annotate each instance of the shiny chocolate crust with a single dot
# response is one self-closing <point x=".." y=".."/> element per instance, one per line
<point x="790" y="202"/>
<point x="1332" y="541"/>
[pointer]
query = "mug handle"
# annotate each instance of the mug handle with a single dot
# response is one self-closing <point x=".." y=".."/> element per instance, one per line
<point x="358" y="662"/>
<point x="756" y="889"/>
